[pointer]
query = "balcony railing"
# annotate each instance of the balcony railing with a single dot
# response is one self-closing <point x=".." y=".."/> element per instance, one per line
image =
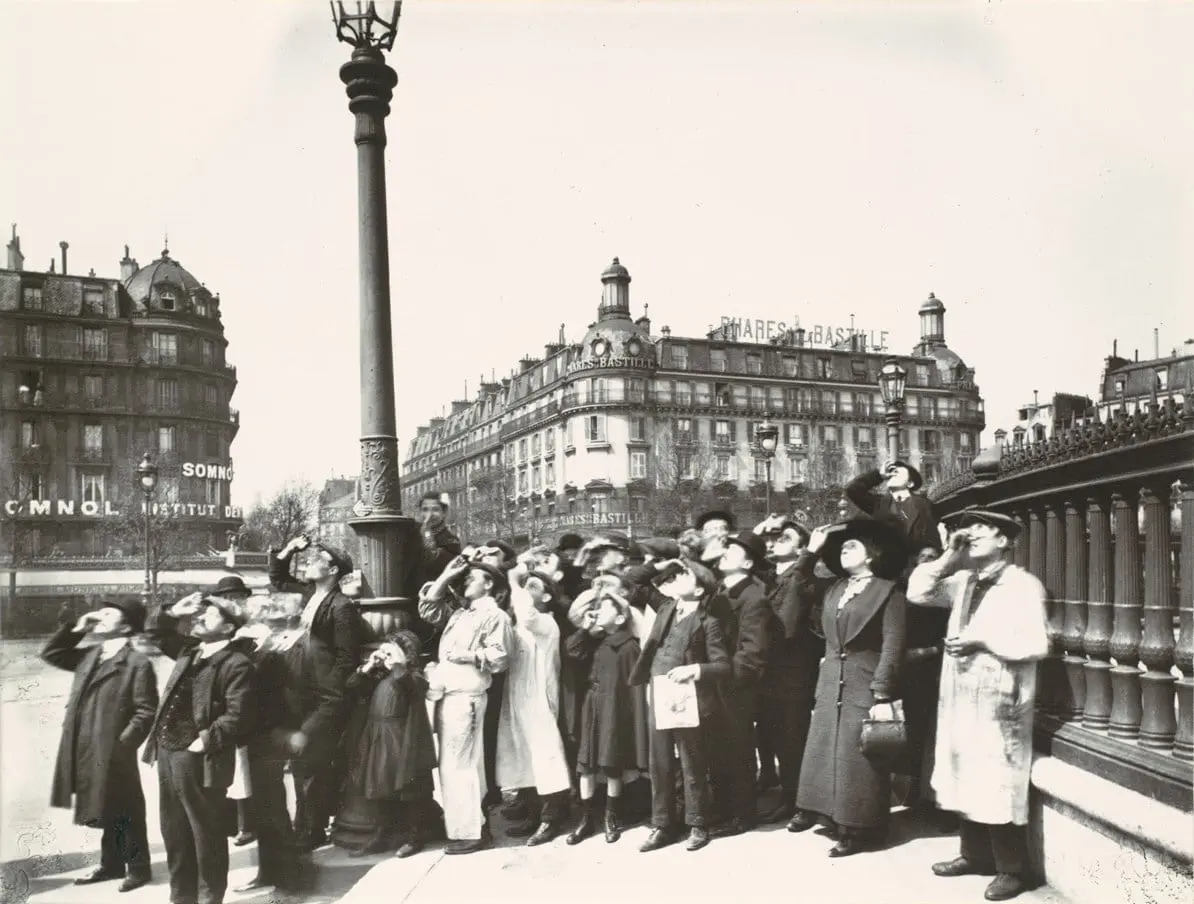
<point x="527" y="421"/>
<point x="1102" y="506"/>
<point x="93" y="456"/>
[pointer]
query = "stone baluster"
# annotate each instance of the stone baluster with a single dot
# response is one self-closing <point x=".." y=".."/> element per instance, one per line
<point x="1053" y="693"/>
<point x="1097" y="638"/>
<point x="1020" y="553"/>
<point x="1158" y="723"/>
<point x="1036" y="544"/>
<point x="1125" y="633"/>
<point x="1074" y="627"/>
<point x="1183" y="741"/>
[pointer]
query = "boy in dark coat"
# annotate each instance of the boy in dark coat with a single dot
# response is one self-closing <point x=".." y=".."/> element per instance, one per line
<point x="108" y="715"/>
<point x="900" y="503"/>
<point x="685" y="645"/>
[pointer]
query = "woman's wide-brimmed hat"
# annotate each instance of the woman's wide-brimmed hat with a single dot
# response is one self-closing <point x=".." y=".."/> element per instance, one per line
<point x="887" y="537"/>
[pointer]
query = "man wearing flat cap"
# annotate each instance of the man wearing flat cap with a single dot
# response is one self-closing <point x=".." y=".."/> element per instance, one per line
<point x="900" y="501"/>
<point x="997" y="633"/>
<point x="328" y="653"/>
<point x="108" y="715"/>
<point x="208" y="709"/>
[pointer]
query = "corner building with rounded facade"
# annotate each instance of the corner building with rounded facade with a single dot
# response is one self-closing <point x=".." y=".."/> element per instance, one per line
<point x="594" y="435"/>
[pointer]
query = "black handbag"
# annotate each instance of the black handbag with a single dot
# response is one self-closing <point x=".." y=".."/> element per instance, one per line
<point x="885" y="741"/>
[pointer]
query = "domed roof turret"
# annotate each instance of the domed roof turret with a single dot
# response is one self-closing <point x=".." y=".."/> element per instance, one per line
<point x="615" y="271"/>
<point x="931" y="305"/>
<point x="615" y="334"/>
<point x="164" y="273"/>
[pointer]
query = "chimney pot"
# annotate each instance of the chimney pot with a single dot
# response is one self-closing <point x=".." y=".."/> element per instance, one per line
<point x="64" y="246"/>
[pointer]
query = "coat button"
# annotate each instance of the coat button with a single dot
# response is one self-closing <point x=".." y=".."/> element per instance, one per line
<point x="841" y="655"/>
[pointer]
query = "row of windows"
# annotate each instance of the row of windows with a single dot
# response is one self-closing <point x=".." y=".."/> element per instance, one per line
<point x="92" y="344"/>
<point x="99" y="489"/>
<point x="93" y="301"/>
<point x="210" y="443"/>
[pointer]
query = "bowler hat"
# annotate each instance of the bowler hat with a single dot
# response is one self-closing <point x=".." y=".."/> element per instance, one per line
<point x="1006" y="525"/>
<point x="231" y="583"/>
<point x="614" y="540"/>
<point x="496" y="574"/>
<point x="755" y="546"/>
<point x="232" y="610"/>
<point x="883" y="534"/>
<point x="715" y="516"/>
<point x="789" y="524"/>
<point x="915" y="481"/>
<point x="133" y="609"/>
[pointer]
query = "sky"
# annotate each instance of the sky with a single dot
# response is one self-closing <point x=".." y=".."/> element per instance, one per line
<point x="1027" y="163"/>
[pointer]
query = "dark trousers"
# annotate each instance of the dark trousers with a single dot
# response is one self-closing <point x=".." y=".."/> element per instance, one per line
<point x="765" y="748"/>
<point x="786" y="722"/>
<point x="278" y="860"/>
<point x="125" y="842"/>
<point x="551" y="808"/>
<point x="1002" y="847"/>
<point x="193" y="830"/>
<point x="318" y="776"/>
<point x="734" y="757"/>
<point x="489" y="732"/>
<point x="693" y="765"/>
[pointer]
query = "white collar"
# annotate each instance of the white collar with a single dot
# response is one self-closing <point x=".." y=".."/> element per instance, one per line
<point x="784" y="566"/>
<point x="481" y="603"/>
<point x="991" y="572"/>
<point x="209" y="648"/>
<point x="900" y="495"/>
<point x="112" y="646"/>
<point x="730" y="581"/>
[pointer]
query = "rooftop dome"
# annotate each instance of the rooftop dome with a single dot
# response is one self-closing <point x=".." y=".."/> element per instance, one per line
<point x="615" y="271"/>
<point x="931" y="304"/>
<point x="165" y="270"/>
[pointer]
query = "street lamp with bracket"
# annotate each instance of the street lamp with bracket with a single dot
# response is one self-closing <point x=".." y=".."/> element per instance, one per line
<point x="892" y="380"/>
<point x="147" y="480"/>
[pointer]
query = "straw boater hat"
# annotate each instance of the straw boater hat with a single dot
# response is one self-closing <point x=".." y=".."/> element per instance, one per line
<point x="886" y="536"/>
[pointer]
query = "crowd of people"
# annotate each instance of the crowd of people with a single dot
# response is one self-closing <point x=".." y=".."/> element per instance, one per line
<point x="579" y="687"/>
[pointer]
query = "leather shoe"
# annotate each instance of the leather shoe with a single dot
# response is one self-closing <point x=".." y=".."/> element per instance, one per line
<point x="697" y="839"/>
<point x="522" y="829"/>
<point x="1004" y="887"/>
<point x="959" y="866"/>
<point x="470" y="846"/>
<point x="545" y="833"/>
<point x="134" y="880"/>
<point x="847" y="845"/>
<point x="255" y="884"/>
<point x="244" y="838"/>
<point x="736" y="826"/>
<point x="409" y="849"/>
<point x="657" y="839"/>
<point x="801" y="822"/>
<point x="99" y="874"/>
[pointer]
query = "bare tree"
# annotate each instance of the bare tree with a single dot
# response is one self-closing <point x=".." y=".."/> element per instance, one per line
<point x="683" y="481"/>
<point x="493" y="510"/>
<point x="292" y="510"/>
<point x="171" y="535"/>
<point x="15" y="495"/>
<point x="817" y="497"/>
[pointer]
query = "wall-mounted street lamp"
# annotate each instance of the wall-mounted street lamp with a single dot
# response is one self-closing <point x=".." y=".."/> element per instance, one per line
<point x="892" y="380"/>
<point x="147" y="480"/>
<point x="767" y="439"/>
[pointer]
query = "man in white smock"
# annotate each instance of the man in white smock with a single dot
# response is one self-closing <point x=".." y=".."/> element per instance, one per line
<point x="475" y="646"/>
<point x="997" y="632"/>
<point x="530" y="750"/>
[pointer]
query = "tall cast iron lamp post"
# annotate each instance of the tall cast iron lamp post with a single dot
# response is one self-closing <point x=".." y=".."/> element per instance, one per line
<point x="892" y="380"/>
<point x="767" y="438"/>
<point x="389" y="542"/>
<point x="147" y="479"/>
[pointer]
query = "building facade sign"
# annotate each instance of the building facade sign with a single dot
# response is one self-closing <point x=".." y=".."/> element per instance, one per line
<point x="746" y="329"/>
<point x="69" y="508"/>
<point x="211" y="471"/>
<point x="611" y="362"/>
<point x="591" y="519"/>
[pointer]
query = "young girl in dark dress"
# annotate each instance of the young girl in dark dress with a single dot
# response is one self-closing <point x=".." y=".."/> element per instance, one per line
<point x="395" y="757"/>
<point x="613" y="739"/>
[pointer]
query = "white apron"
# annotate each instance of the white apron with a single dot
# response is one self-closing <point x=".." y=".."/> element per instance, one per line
<point x="530" y="752"/>
<point x="983" y="752"/>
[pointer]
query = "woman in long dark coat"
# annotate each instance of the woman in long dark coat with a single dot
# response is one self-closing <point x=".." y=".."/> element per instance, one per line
<point x="109" y="714"/>
<point x="863" y="622"/>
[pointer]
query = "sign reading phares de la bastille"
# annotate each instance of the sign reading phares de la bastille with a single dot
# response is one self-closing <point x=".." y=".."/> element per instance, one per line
<point x="746" y="329"/>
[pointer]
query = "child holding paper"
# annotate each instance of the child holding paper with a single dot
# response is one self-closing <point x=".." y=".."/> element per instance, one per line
<point x="685" y="652"/>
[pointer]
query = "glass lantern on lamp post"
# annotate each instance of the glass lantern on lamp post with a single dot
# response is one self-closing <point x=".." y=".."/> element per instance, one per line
<point x="892" y="380"/>
<point x="147" y="479"/>
<point x="767" y="439"/>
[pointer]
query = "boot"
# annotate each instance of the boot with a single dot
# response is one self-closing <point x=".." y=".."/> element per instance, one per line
<point x="545" y="833"/>
<point x="587" y="825"/>
<point x="613" y="828"/>
<point x="375" y="845"/>
<point x="415" y="831"/>
<point x="781" y="812"/>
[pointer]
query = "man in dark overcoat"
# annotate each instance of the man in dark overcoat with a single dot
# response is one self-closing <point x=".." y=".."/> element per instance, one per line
<point x="108" y="715"/>
<point x="740" y="604"/>
<point x="329" y="651"/>
<point x="208" y="709"/>
<point x="899" y="503"/>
